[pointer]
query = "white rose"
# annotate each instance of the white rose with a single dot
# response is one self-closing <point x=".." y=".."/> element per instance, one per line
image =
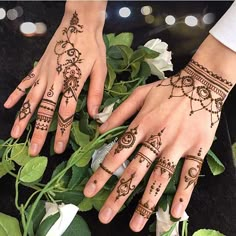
<point x="105" y="114"/>
<point x="67" y="214"/>
<point x="161" y="63"/>
<point x="99" y="155"/>
<point x="164" y="222"/>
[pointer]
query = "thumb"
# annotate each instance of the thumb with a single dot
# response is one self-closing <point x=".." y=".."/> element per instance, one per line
<point x="96" y="87"/>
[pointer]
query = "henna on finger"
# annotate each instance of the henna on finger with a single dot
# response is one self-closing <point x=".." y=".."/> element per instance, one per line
<point x="20" y="89"/>
<point x="165" y="166"/>
<point x="25" y="110"/>
<point x="144" y="209"/>
<point x="64" y="123"/>
<point x="155" y="189"/>
<point x="127" y="140"/>
<point x="106" y="169"/>
<point x="50" y="93"/>
<point x="30" y="76"/>
<point x="143" y="158"/>
<point x="36" y="83"/>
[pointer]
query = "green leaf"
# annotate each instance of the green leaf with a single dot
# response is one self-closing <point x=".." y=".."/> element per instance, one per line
<point x="135" y="68"/>
<point x="84" y="160"/>
<point x="86" y="204"/>
<point x="9" y="226"/>
<point x="121" y="39"/>
<point x="5" y="167"/>
<point x="121" y="88"/>
<point x="46" y="225"/>
<point x="34" y="169"/>
<point x="111" y="76"/>
<point x="81" y="138"/>
<point x="110" y="37"/>
<point x="144" y="71"/>
<point x="84" y="124"/>
<point x="78" y="227"/>
<point x="70" y="196"/>
<point x="169" y="232"/>
<point x="106" y="41"/>
<point x="20" y="155"/>
<point x="78" y="174"/>
<point x="149" y="53"/>
<point x="214" y="163"/>
<point x="138" y="55"/>
<point x="207" y="232"/>
<point x="2" y="148"/>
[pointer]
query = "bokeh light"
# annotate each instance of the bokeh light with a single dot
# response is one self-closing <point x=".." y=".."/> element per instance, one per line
<point x="191" y="21"/>
<point x="41" y="28"/>
<point x="149" y="19"/>
<point x="12" y="14"/>
<point x="2" y="13"/>
<point x="146" y="10"/>
<point x="124" y="12"/>
<point x="28" y="29"/>
<point x="208" y="18"/>
<point x="170" y="20"/>
<point x="19" y="11"/>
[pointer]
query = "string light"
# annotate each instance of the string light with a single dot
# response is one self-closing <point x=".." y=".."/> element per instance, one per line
<point x="2" y="13"/>
<point x="170" y="20"/>
<point x="191" y="21"/>
<point x="146" y="10"/>
<point x="124" y="12"/>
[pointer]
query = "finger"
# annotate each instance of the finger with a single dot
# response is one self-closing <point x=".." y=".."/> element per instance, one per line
<point x="44" y="118"/>
<point x="189" y="176"/>
<point x="128" y="108"/>
<point x="118" y="154"/>
<point x="157" y="183"/>
<point x="96" y="87"/>
<point x="27" y="109"/>
<point x="20" y="90"/>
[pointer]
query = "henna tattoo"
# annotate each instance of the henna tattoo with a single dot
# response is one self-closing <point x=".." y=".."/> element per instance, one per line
<point x="31" y="75"/>
<point x="181" y="200"/>
<point x="125" y="186"/>
<point x="209" y="95"/>
<point x="25" y="110"/>
<point x="95" y="181"/>
<point x="154" y="143"/>
<point x="157" y="189"/>
<point x="65" y="50"/>
<point x="193" y="172"/>
<point x="51" y="91"/>
<point x="48" y="105"/>
<point x="36" y="83"/>
<point x="143" y="158"/>
<point x="43" y="127"/>
<point x="64" y="123"/>
<point x="105" y="169"/>
<point x="20" y="89"/>
<point x="144" y="209"/>
<point x="127" y="140"/>
<point x="165" y="166"/>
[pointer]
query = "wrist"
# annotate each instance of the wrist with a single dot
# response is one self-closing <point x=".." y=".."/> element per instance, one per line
<point x="217" y="58"/>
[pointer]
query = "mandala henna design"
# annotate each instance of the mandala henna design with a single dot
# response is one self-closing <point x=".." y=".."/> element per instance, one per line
<point x="125" y="186"/>
<point x="165" y="166"/>
<point x="105" y="169"/>
<point x="68" y="58"/>
<point x="206" y="90"/>
<point x="154" y="143"/>
<point x="127" y="140"/>
<point x="50" y="93"/>
<point x="25" y="110"/>
<point x="143" y="158"/>
<point x="144" y="209"/>
<point x="193" y="172"/>
<point x="64" y="123"/>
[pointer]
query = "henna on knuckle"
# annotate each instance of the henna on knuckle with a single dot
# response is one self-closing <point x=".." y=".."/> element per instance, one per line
<point x="145" y="209"/>
<point x="143" y="159"/>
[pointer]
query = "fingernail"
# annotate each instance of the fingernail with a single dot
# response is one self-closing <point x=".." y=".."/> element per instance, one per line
<point x="15" y="131"/>
<point x="105" y="214"/>
<point x="7" y="103"/>
<point x="34" y="149"/>
<point x="104" y="127"/>
<point x="137" y="222"/>
<point x="90" y="189"/>
<point x="177" y="211"/>
<point x="59" y="147"/>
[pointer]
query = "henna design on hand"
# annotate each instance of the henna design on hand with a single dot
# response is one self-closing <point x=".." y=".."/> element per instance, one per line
<point x="31" y="75"/>
<point x="143" y="158"/>
<point x="125" y="186"/>
<point x="64" y="123"/>
<point x="193" y="172"/>
<point x="157" y="189"/>
<point x="144" y="209"/>
<point x="106" y="169"/>
<point x="43" y="117"/>
<point x="20" y="89"/>
<point x="70" y="68"/>
<point x="127" y="140"/>
<point x="165" y="165"/>
<point x="209" y="95"/>
<point x="36" y="83"/>
<point x="50" y="93"/>
<point x="25" y="110"/>
<point x="154" y="143"/>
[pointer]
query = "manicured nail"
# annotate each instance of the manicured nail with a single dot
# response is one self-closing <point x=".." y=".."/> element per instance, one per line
<point x="7" y="103"/>
<point x="137" y="222"/>
<point x="15" y="131"/>
<point x="34" y="149"/>
<point x="177" y="211"/>
<point x="105" y="214"/>
<point x="90" y="189"/>
<point x="59" y="147"/>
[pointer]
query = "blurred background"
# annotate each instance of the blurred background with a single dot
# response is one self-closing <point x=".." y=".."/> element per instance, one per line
<point x="26" y="28"/>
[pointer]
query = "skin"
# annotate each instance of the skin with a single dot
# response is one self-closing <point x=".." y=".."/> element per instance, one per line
<point x="91" y="46"/>
<point x="180" y="137"/>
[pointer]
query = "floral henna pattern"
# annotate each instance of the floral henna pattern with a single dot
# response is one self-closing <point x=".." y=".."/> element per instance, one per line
<point x="25" y="110"/>
<point x="68" y="59"/>
<point x="206" y="90"/>
<point x="165" y="166"/>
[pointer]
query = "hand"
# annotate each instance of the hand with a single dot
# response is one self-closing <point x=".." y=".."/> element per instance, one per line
<point x="76" y="51"/>
<point x="178" y="119"/>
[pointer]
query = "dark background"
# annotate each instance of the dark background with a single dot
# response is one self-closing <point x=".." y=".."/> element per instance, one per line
<point x="213" y="201"/>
